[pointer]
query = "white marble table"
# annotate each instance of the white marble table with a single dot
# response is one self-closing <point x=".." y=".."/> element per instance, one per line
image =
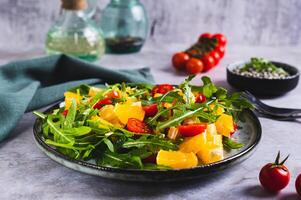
<point x="26" y="173"/>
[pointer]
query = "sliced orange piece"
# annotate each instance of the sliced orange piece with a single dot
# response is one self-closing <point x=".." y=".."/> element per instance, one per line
<point x="177" y="159"/>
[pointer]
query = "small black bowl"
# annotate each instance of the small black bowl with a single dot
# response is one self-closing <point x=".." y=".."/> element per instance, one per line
<point x="264" y="87"/>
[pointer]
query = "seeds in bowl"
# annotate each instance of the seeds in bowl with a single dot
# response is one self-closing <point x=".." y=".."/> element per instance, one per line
<point x="261" y="68"/>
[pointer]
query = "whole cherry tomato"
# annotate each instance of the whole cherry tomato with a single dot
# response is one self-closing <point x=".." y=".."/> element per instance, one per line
<point x="162" y="89"/>
<point x="216" y="57"/>
<point x="192" y="129"/>
<point x="298" y="184"/>
<point x="220" y="50"/>
<point x="206" y="35"/>
<point x="137" y="126"/>
<point x="102" y="102"/>
<point x="150" y="110"/>
<point x="274" y="176"/>
<point x="200" y="98"/>
<point x="179" y="60"/>
<point x="209" y="62"/>
<point x="221" y="39"/>
<point x="194" y="66"/>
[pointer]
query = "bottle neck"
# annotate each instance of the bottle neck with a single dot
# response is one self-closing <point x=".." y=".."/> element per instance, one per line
<point x="124" y="2"/>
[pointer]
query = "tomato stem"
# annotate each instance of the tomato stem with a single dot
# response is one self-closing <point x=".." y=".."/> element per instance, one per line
<point x="277" y="161"/>
<point x="284" y="160"/>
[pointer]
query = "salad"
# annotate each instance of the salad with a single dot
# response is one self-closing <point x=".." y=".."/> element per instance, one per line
<point x="144" y="126"/>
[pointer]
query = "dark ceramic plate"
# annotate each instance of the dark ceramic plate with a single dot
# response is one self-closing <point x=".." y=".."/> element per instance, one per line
<point x="249" y="135"/>
<point x="264" y="87"/>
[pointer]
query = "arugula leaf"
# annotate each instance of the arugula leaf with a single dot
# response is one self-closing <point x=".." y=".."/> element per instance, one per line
<point x="82" y="89"/>
<point x="189" y="97"/>
<point x="155" y="142"/>
<point x="40" y="114"/>
<point x="208" y="88"/>
<point x="120" y="160"/>
<point x="109" y="144"/>
<point x="68" y="123"/>
<point x="231" y="144"/>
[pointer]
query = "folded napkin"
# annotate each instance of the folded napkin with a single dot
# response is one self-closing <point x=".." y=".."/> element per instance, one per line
<point x="31" y="84"/>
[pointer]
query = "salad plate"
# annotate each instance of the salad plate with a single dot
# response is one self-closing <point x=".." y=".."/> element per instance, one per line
<point x="169" y="163"/>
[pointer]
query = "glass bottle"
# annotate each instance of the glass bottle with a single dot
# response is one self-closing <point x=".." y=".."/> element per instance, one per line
<point x="125" y="26"/>
<point x="75" y="34"/>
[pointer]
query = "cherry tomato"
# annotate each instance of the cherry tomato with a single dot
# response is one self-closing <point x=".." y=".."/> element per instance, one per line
<point x="220" y="50"/>
<point x="137" y="126"/>
<point x="112" y="95"/>
<point x="298" y="184"/>
<point x="274" y="176"/>
<point x="206" y="35"/>
<point x="65" y="112"/>
<point x="102" y="102"/>
<point x="209" y="62"/>
<point x="216" y="57"/>
<point x="192" y="129"/>
<point x="150" y="110"/>
<point x="179" y="60"/>
<point x="200" y="98"/>
<point x="235" y="128"/>
<point x="221" y="39"/>
<point x="162" y="89"/>
<point x="194" y="66"/>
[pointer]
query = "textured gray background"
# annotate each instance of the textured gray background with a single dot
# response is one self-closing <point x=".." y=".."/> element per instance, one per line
<point x="262" y="28"/>
<point x="24" y="23"/>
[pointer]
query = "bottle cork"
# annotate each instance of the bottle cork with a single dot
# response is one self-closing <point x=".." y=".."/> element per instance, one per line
<point x="74" y="4"/>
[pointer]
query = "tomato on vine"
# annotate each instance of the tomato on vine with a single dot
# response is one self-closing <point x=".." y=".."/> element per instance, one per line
<point x="274" y="176"/>
<point x="179" y="60"/>
<point x="194" y="66"/>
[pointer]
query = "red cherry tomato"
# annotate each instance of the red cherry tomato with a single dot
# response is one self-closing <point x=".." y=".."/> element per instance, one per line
<point x="220" y="50"/>
<point x="221" y="39"/>
<point x="274" y="176"/>
<point x="102" y="102"/>
<point x="194" y="66"/>
<point x="216" y="57"/>
<point x="112" y="95"/>
<point x="298" y="184"/>
<point x="209" y="62"/>
<point x="179" y="60"/>
<point x="200" y="98"/>
<point x="137" y="126"/>
<point x="162" y="89"/>
<point x="65" y="112"/>
<point x="206" y="35"/>
<point x="150" y="110"/>
<point x="192" y="129"/>
<point x="235" y="128"/>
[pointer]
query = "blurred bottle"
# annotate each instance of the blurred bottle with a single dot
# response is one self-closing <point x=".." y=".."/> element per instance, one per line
<point x="125" y="26"/>
<point x="75" y="34"/>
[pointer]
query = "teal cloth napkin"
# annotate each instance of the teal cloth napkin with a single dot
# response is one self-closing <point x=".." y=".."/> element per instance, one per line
<point x="31" y="84"/>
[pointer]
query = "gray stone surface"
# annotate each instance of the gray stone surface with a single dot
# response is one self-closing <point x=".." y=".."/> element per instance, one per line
<point x="26" y="173"/>
<point x="24" y="23"/>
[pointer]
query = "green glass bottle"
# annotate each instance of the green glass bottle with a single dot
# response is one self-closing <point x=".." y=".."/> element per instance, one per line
<point x="125" y="26"/>
<point x="75" y="34"/>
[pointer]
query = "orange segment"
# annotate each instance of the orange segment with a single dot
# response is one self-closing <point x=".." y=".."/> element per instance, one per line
<point x="224" y="125"/>
<point x="177" y="159"/>
<point x="210" y="154"/>
<point x="129" y="109"/>
<point x="69" y="96"/>
<point x="107" y="113"/>
<point x="93" y="91"/>
<point x="193" y="144"/>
